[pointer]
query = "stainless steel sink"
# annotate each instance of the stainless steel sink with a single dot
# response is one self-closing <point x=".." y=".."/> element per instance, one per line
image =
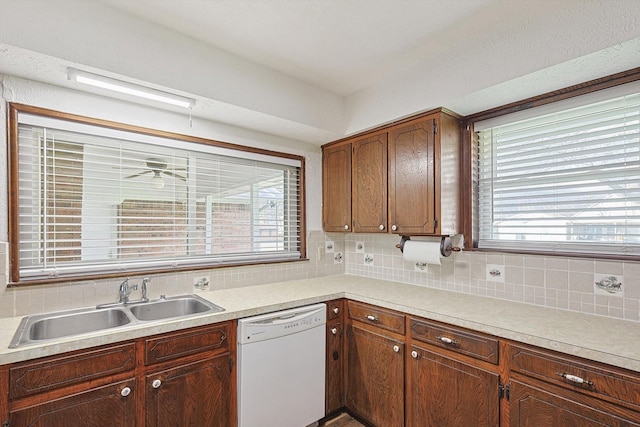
<point x="184" y="305"/>
<point x="51" y="326"/>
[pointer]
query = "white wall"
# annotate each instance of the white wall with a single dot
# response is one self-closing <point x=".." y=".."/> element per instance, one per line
<point x="98" y="36"/>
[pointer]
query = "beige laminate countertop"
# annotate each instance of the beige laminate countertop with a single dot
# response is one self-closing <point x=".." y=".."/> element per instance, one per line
<point x="611" y="341"/>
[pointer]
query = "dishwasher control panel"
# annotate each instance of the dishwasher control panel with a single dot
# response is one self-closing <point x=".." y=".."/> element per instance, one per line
<point x="274" y="325"/>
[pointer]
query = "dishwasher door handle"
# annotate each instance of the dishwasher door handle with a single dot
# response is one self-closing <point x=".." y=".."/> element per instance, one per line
<point x="289" y="317"/>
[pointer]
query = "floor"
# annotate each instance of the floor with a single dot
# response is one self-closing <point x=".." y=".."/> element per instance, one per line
<point x="343" y="420"/>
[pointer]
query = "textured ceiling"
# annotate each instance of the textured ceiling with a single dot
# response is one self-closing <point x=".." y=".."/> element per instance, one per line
<point x="317" y="70"/>
<point x="342" y="46"/>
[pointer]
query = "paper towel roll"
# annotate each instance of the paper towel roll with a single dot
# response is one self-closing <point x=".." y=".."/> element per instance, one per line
<point x="417" y="251"/>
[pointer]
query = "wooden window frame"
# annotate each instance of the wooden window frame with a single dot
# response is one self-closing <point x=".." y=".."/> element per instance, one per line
<point x="468" y="180"/>
<point x="13" y="203"/>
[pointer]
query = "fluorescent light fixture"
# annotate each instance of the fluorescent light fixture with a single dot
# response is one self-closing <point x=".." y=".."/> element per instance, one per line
<point x="128" y="88"/>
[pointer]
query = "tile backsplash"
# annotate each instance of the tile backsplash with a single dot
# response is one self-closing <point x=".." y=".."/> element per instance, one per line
<point x="606" y="288"/>
<point x="558" y="282"/>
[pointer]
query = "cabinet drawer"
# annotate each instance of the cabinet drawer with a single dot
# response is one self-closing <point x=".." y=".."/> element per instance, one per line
<point x="607" y="383"/>
<point x="56" y="372"/>
<point x="380" y="317"/>
<point x="472" y="344"/>
<point x="168" y="347"/>
<point x="335" y="309"/>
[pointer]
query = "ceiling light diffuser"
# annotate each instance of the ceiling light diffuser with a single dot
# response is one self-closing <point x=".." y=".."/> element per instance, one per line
<point x="120" y="86"/>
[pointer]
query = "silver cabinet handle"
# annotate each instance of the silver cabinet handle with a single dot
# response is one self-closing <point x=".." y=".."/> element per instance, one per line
<point x="125" y="392"/>
<point x="414" y="354"/>
<point x="447" y="340"/>
<point x="396" y="348"/>
<point x="336" y="310"/>
<point x="394" y="227"/>
<point x="381" y="227"/>
<point x="334" y="331"/>
<point x="575" y="379"/>
<point x="346" y="226"/>
<point x="372" y="318"/>
<point x="156" y="383"/>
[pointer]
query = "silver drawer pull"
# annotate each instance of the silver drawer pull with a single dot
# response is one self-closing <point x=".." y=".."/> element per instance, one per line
<point x="372" y="318"/>
<point x="396" y="348"/>
<point x="446" y="340"/>
<point x="125" y="392"/>
<point x="575" y="379"/>
<point x="334" y="331"/>
<point x="414" y="354"/>
<point x="336" y="310"/>
<point x="156" y="383"/>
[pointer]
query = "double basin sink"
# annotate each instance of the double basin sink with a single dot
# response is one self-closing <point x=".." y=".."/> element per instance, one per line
<point x="45" y="327"/>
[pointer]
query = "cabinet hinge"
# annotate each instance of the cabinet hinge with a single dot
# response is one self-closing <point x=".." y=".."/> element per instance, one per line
<point x="435" y="127"/>
<point x="435" y="223"/>
<point x="230" y="364"/>
<point x="504" y="390"/>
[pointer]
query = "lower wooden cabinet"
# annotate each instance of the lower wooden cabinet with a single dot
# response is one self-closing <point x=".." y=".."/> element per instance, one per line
<point x="194" y="394"/>
<point x="444" y="392"/>
<point x="455" y="377"/>
<point x="549" y="389"/>
<point x="541" y="405"/>
<point x="109" y="405"/>
<point x="183" y="378"/>
<point x="375" y="377"/>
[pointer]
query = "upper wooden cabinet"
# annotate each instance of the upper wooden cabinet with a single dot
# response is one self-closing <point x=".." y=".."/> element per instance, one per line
<point x="369" y="184"/>
<point x="336" y="188"/>
<point x="402" y="179"/>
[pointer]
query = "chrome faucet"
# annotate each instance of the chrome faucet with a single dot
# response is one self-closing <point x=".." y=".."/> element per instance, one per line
<point x="125" y="291"/>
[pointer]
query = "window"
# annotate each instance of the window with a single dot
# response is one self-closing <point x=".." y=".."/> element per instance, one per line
<point x="564" y="177"/>
<point x="98" y="198"/>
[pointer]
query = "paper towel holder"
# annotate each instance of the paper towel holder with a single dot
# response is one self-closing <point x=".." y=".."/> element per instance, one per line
<point x="446" y="246"/>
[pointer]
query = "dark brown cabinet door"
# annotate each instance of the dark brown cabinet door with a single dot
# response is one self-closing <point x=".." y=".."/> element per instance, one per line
<point x="375" y="377"/>
<point x="369" y="183"/>
<point x="335" y="372"/>
<point x="111" y="405"/>
<point x="195" y="394"/>
<point x="336" y="188"/>
<point x="448" y="393"/>
<point x="412" y="178"/>
<point x="532" y="406"/>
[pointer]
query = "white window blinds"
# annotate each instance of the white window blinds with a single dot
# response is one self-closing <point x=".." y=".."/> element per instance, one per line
<point x="566" y="180"/>
<point x="97" y="200"/>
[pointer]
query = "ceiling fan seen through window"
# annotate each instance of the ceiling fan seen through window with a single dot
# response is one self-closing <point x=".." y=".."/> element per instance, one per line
<point x="158" y="167"/>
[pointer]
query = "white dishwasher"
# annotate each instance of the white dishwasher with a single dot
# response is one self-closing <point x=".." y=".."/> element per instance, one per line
<point x="281" y="368"/>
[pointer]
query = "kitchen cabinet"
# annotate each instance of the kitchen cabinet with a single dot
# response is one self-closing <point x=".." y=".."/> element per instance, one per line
<point x="375" y="365"/>
<point x="548" y="389"/>
<point x="403" y="178"/>
<point x="193" y="394"/>
<point x="334" y="390"/>
<point x="189" y="381"/>
<point x="369" y="184"/>
<point x="94" y="387"/>
<point x="449" y="382"/>
<point x="336" y="188"/>
<point x="181" y="378"/>
<point x="107" y="405"/>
